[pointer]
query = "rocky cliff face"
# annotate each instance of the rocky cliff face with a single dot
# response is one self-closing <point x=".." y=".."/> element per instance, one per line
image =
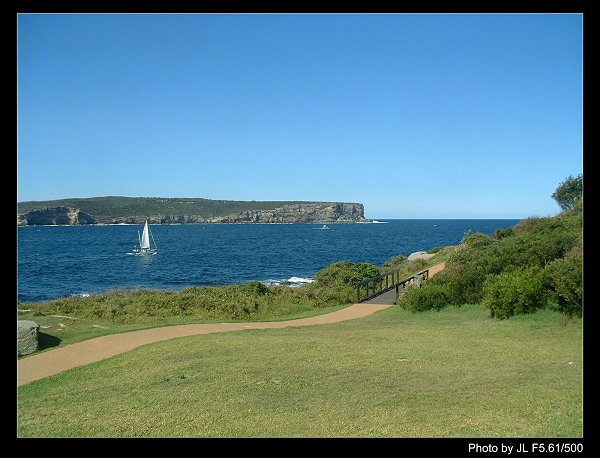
<point x="55" y="216"/>
<point x="300" y="213"/>
<point x="325" y="212"/>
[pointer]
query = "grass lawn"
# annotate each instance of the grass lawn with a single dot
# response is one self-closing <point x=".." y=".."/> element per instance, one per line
<point x="453" y="373"/>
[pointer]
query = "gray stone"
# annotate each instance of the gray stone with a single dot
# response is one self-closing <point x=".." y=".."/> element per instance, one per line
<point x="27" y="337"/>
<point x="420" y="255"/>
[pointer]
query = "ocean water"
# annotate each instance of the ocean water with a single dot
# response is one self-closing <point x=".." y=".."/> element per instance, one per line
<point x="55" y="261"/>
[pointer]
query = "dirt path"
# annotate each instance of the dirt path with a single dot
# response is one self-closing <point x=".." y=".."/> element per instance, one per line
<point x="89" y="351"/>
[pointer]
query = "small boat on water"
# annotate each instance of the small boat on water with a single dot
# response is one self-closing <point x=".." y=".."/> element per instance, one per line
<point x="144" y="240"/>
<point x="325" y="227"/>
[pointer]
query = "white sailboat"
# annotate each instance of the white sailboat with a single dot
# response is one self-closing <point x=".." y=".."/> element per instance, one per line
<point x="144" y="239"/>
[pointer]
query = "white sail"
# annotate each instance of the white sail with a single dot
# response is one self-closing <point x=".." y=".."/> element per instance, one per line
<point x="145" y="241"/>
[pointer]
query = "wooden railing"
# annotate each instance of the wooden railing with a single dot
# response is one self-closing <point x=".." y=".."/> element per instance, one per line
<point x="374" y="286"/>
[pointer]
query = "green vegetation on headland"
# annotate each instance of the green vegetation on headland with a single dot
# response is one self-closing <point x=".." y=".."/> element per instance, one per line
<point x="135" y="210"/>
<point x="452" y="373"/>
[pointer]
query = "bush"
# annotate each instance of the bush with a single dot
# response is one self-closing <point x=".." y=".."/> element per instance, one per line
<point x="563" y="279"/>
<point x="514" y="292"/>
<point x="345" y="273"/>
<point x="569" y="192"/>
<point x="431" y="296"/>
<point x="336" y="283"/>
<point x="365" y="270"/>
<point x="452" y="277"/>
<point x="475" y="240"/>
<point x="255" y="288"/>
<point x="474" y="264"/>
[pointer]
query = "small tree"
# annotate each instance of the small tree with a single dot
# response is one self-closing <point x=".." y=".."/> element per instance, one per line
<point x="569" y="192"/>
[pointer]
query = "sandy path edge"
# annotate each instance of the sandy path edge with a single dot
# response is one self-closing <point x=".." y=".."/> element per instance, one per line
<point x="89" y="351"/>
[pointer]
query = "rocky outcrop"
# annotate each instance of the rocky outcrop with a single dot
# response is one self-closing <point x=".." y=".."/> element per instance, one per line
<point x="299" y="213"/>
<point x="55" y="216"/>
<point x="27" y="337"/>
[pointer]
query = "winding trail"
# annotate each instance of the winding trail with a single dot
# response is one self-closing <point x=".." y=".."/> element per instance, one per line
<point x="89" y="351"/>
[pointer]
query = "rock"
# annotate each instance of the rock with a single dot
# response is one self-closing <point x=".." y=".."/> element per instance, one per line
<point x="420" y="255"/>
<point x="65" y="216"/>
<point x="27" y="337"/>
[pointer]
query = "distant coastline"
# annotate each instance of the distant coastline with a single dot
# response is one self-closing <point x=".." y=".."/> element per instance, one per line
<point x="184" y="224"/>
<point x="119" y="210"/>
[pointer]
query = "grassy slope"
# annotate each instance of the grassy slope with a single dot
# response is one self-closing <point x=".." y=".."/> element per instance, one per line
<point x="449" y="373"/>
<point x="105" y="208"/>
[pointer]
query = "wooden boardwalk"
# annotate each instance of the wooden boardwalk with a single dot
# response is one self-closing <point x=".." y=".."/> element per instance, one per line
<point x="389" y="297"/>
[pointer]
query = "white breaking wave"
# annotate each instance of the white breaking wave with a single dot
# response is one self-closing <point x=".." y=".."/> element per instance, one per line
<point x="293" y="282"/>
<point x="299" y="280"/>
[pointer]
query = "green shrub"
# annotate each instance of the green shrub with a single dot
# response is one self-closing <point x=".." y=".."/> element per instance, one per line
<point x="474" y="264"/>
<point x="431" y="296"/>
<point x="365" y="270"/>
<point x="452" y="277"/>
<point x="330" y="295"/>
<point x="475" y="240"/>
<point x="563" y="279"/>
<point x="336" y="283"/>
<point x="569" y="192"/>
<point x="448" y="287"/>
<point x="345" y="273"/>
<point x="255" y="288"/>
<point x="514" y="292"/>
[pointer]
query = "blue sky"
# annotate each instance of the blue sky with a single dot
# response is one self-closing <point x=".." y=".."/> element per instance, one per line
<point x="416" y="116"/>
